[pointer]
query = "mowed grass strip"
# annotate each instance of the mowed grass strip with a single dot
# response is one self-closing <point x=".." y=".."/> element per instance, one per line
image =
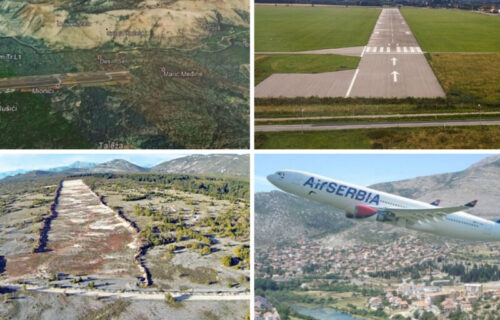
<point x="312" y="28"/>
<point x="469" y="77"/>
<point x="473" y="137"/>
<point x="336" y="110"/>
<point x="265" y="65"/>
<point x="449" y="30"/>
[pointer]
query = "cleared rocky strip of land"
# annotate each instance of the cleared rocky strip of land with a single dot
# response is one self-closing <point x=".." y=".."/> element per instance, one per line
<point x="86" y="237"/>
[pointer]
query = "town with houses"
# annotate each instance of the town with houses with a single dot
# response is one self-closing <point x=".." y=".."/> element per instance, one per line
<point x="408" y="269"/>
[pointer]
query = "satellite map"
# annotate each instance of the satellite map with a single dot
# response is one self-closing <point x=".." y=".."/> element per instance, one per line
<point x="109" y="74"/>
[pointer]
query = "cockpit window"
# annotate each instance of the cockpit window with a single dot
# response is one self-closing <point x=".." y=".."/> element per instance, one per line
<point x="281" y="174"/>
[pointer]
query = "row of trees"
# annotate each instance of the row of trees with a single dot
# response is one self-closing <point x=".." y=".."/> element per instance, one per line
<point x="478" y="273"/>
<point x="217" y="187"/>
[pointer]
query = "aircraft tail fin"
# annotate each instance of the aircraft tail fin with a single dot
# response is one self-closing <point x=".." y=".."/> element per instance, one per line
<point x="436" y="202"/>
<point x="471" y="204"/>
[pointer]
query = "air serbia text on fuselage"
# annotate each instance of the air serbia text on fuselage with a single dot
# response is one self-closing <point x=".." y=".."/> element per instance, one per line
<point x="342" y="190"/>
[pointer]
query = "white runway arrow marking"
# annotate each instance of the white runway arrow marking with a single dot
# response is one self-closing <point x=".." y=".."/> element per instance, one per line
<point x="395" y="75"/>
<point x="394" y="60"/>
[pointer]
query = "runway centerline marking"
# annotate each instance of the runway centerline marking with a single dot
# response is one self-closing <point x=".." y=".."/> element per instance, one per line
<point x="395" y="76"/>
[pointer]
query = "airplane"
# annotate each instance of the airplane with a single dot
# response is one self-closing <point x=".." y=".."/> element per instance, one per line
<point x="362" y="203"/>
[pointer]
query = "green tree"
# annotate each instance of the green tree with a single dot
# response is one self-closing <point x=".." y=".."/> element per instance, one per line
<point x="227" y="261"/>
<point x="169" y="299"/>
<point x="206" y="250"/>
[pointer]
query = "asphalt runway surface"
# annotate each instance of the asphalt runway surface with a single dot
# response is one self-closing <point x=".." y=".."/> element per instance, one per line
<point x="327" y="127"/>
<point x="392" y="66"/>
<point x="71" y="79"/>
<point x="327" y="84"/>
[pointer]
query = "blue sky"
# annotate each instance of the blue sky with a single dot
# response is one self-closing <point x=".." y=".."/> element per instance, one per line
<point x="361" y="169"/>
<point x="11" y="162"/>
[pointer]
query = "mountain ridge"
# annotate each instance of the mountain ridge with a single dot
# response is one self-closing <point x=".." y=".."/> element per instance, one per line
<point x="209" y="163"/>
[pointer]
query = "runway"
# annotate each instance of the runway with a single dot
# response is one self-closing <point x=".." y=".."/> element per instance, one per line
<point x="327" y="127"/>
<point x="67" y="80"/>
<point x="392" y="66"/>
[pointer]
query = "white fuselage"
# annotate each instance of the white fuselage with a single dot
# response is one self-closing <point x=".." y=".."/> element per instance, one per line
<point x="347" y="196"/>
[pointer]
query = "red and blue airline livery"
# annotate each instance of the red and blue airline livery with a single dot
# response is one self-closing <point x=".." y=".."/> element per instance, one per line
<point x="361" y="203"/>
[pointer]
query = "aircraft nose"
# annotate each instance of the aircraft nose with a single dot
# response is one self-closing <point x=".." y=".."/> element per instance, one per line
<point x="272" y="178"/>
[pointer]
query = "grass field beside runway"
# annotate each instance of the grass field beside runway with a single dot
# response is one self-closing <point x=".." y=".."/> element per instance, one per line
<point x="265" y="65"/>
<point x="449" y="30"/>
<point x="474" y="137"/>
<point x="473" y="78"/>
<point x="288" y="108"/>
<point x="311" y="28"/>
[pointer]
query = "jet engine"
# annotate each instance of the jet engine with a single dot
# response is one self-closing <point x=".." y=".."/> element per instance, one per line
<point x="364" y="212"/>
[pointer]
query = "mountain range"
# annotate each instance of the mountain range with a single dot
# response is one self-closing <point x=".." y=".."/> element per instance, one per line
<point x="282" y="217"/>
<point x="212" y="165"/>
<point x="74" y="165"/>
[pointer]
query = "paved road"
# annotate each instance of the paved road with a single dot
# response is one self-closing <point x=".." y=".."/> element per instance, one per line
<point x="133" y="295"/>
<point x="70" y="79"/>
<point x="380" y="116"/>
<point x="393" y="65"/>
<point x="325" y="127"/>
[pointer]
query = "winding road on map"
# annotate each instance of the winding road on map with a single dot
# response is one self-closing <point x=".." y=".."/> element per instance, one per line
<point x="392" y="66"/>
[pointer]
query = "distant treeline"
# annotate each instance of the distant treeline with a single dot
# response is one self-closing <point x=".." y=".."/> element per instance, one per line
<point x="481" y="273"/>
<point x="465" y="5"/>
<point x="328" y="2"/>
<point x="217" y="187"/>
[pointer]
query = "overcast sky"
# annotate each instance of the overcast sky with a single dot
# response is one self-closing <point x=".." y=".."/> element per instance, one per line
<point x="362" y="169"/>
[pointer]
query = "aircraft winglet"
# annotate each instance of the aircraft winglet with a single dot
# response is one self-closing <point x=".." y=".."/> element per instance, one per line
<point x="471" y="204"/>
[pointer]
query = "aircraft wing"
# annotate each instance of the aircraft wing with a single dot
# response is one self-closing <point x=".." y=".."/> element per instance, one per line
<point x="416" y="215"/>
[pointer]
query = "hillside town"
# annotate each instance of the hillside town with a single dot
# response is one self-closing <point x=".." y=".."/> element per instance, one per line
<point x="410" y="299"/>
<point x="404" y="255"/>
<point x="414" y="275"/>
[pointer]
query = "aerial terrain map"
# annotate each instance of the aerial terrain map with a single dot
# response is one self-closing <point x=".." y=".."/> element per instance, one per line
<point x="109" y="74"/>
